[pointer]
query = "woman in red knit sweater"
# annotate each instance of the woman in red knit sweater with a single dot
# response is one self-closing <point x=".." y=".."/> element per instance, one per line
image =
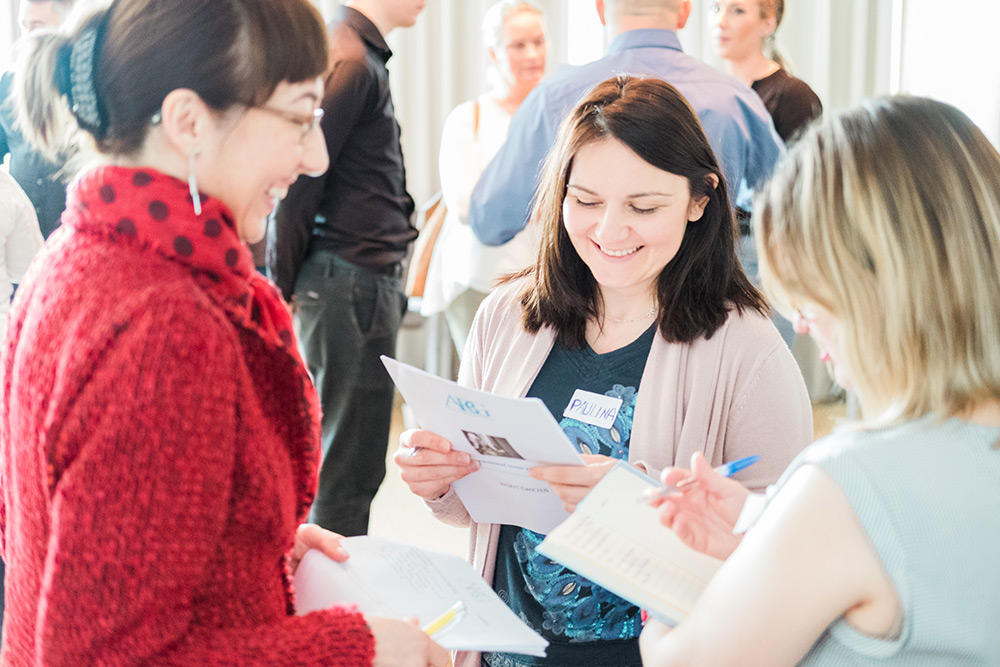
<point x="159" y="433"/>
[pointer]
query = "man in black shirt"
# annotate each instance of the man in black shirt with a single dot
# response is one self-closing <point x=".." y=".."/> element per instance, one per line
<point x="335" y="250"/>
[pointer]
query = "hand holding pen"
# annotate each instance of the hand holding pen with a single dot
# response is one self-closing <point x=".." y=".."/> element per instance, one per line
<point x="725" y="470"/>
<point x="703" y="515"/>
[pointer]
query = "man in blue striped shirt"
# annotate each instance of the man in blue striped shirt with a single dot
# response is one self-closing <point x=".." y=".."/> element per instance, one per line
<point x="643" y="42"/>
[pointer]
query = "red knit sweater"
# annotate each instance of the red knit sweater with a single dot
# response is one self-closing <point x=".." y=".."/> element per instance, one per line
<point x="158" y="446"/>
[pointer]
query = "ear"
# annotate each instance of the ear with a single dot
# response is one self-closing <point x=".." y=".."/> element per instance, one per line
<point x="185" y="119"/>
<point x="683" y="13"/>
<point x="600" y="11"/>
<point x="696" y="207"/>
<point x="493" y="55"/>
<point x="770" y="25"/>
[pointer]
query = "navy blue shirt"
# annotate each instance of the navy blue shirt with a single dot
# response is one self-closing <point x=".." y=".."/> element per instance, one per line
<point x="585" y="624"/>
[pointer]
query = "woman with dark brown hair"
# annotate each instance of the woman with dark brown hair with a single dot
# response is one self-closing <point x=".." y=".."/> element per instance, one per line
<point x="637" y="297"/>
<point x="159" y="437"/>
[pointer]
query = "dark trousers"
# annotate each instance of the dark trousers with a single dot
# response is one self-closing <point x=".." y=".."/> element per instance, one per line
<point x="346" y="317"/>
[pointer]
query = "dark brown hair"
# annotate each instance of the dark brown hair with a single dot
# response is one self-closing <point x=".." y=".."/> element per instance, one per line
<point x="230" y="52"/>
<point x="699" y="286"/>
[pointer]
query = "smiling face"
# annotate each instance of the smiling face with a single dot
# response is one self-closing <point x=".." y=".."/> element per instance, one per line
<point x="250" y="161"/>
<point x="520" y="57"/>
<point x="738" y="28"/>
<point x="625" y="218"/>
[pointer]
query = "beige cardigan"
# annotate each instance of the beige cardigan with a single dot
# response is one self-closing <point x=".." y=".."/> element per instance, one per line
<point x="736" y="394"/>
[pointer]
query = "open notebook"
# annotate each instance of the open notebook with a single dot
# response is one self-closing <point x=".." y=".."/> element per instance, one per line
<point x="617" y="541"/>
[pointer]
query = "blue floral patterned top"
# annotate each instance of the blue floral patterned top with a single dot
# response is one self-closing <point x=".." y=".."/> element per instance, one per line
<point x="585" y="624"/>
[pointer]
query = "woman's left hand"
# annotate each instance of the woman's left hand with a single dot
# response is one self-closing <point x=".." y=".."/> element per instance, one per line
<point x="572" y="483"/>
<point x="310" y="536"/>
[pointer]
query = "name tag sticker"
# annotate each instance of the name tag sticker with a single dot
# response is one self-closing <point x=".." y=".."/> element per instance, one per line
<point x="595" y="409"/>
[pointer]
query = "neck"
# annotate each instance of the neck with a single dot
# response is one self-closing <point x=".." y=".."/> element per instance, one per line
<point x="157" y="153"/>
<point x="376" y="13"/>
<point x="752" y="68"/>
<point x="985" y="412"/>
<point x="627" y="306"/>
<point x="509" y="96"/>
<point x="617" y="25"/>
<point x="624" y="318"/>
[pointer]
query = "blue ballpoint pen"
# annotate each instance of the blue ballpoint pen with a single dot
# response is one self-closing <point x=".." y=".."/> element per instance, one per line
<point x="726" y="470"/>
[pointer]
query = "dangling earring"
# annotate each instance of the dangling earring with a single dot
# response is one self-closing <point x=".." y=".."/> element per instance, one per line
<point x="193" y="182"/>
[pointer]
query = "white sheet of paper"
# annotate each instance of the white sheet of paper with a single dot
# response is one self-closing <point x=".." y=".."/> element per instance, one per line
<point x="385" y="577"/>
<point x="508" y="435"/>
<point x="617" y="541"/>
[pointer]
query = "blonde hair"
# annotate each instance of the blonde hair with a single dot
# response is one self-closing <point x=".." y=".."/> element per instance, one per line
<point x="777" y="9"/>
<point x="888" y="216"/>
<point x="496" y="16"/>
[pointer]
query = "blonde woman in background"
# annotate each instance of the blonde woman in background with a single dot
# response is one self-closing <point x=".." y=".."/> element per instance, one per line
<point x="463" y="270"/>
<point x="743" y="36"/>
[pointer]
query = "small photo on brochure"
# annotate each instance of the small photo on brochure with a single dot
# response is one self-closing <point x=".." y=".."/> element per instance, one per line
<point x="491" y="445"/>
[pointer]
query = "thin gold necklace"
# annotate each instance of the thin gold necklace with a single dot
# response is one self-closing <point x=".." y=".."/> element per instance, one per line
<point x="652" y="309"/>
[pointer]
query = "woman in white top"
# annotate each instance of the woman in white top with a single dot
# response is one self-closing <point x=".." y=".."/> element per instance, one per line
<point x="20" y="239"/>
<point x="463" y="270"/>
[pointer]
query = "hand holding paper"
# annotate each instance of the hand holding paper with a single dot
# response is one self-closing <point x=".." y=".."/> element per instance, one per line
<point x="428" y="464"/>
<point x="310" y="536"/>
<point x="505" y="436"/>
<point x="402" y="643"/>
<point x="572" y="483"/>
<point x="397" y="580"/>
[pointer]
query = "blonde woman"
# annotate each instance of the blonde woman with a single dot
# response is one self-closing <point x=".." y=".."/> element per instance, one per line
<point x="880" y="236"/>
<point x="463" y="270"/>
<point x="743" y="36"/>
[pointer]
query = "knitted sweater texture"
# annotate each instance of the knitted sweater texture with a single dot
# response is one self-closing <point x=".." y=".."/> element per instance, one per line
<point x="158" y="446"/>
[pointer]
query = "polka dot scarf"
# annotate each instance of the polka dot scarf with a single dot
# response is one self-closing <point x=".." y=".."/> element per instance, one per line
<point x="154" y="211"/>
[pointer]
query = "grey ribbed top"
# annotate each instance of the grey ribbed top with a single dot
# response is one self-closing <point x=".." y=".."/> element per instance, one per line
<point x="928" y="495"/>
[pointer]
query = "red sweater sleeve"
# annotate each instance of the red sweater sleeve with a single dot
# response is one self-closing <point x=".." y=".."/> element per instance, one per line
<point x="140" y="507"/>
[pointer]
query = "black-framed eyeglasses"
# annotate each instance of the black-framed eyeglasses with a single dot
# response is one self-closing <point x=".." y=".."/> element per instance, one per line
<point x="305" y="123"/>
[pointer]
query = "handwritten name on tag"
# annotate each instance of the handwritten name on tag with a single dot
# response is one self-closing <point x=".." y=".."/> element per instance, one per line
<point x="594" y="409"/>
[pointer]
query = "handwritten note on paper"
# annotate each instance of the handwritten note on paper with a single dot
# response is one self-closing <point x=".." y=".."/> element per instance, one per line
<point x="507" y="435"/>
<point x="619" y="543"/>
<point x="389" y="578"/>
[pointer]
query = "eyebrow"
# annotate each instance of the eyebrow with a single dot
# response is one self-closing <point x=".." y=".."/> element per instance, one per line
<point x="309" y="95"/>
<point x="637" y="195"/>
